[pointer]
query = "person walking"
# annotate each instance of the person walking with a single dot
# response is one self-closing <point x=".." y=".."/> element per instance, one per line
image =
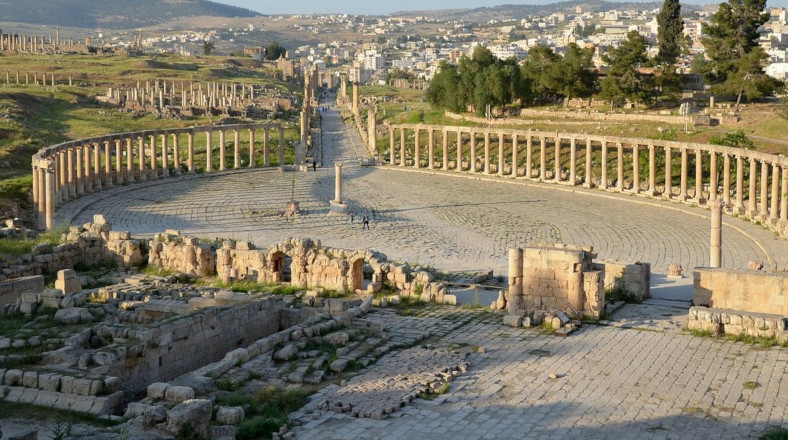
<point x="365" y="222"/>
<point x="352" y="219"/>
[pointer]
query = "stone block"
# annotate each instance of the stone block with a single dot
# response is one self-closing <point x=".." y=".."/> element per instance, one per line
<point x="49" y="381"/>
<point x="13" y="378"/>
<point x="73" y="315"/>
<point x="178" y="394"/>
<point x="512" y="320"/>
<point x="195" y="413"/>
<point x="157" y="390"/>
<point x="230" y="415"/>
<point x="30" y="379"/>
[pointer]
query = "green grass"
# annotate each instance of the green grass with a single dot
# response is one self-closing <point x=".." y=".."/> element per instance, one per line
<point x="751" y="385"/>
<point x="777" y="434"/>
<point x="245" y="286"/>
<point x="40" y="413"/>
<point x="19" y="246"/>
<point x="266" y="411"/>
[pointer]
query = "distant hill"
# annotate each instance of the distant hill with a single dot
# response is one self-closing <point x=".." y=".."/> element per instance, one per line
<point x="481" y="15"/>
<point x="112" y="14"/>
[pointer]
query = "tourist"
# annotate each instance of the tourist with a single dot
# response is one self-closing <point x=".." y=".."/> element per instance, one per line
<point x="352" y="218"/>
<point x="365" y="222"/>
<point x="314" y="164"/>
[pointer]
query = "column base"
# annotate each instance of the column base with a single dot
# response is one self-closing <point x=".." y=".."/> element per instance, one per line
<point x="337" y="209"/>
<point x="651" y="193"/>
<point x="699" y="200"/>
<point x="142" y="177"/>
<point x="588" y="185"/>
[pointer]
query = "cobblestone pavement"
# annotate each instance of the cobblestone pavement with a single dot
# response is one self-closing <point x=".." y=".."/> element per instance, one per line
<point x="447" y="220"/>
<point x="612" y="383"/>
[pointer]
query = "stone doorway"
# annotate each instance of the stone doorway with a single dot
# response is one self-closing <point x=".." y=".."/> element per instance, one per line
<point x="279" y="268"/>
<point x="357" y="275"/>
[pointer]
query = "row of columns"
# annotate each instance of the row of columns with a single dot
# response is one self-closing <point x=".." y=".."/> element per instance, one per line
<point x="765" y="198"/>
<point x="73" y="169"/>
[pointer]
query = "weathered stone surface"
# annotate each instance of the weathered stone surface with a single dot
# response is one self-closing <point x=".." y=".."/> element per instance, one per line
<point x="75" y="315"/>
<point x="157" y="390"/>
<point x="194" y="413"/>
<point x="152" y="415"/>
<point x="178" y="394"/>
<point x="286" y="352"/>
<point x="230" y="415"/>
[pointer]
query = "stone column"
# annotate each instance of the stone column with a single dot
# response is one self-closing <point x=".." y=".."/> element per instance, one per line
<point x="129" y="160"/>
<point x="355" y="98"/>
<point x="392" y="144"/>
<point x="118" y="162"/>
<point x="514" y="155"/>
<point x="190" y="151"/>
<point x="42" y="195"/>
<point x="726" y="180"/>
<point x="773" y="210"/>
<point x="739" y="207"/>
<point x="281" y="146"/>
<point x="80" y="178"/>
<point x="459" y="151"/>
<point x="589" y="164"/>
<point x="501" y="162"/>
<point x="252" y="162"/>
<point x="107" y="166"/>
<point x="338" y="182"/>
<point x="784" y="199"/>
<point x="487" y="153"/>
<point x="154" y="172"/>
<point x="417" y="148"/>
<point x="529" y="155"/>
<point x="668" y="174"/>
<point x="751" y="200"/>
<point x="715" y="258"/>
<point x="372" y="131"/>
<point x="266" y="148"/>
<point x="445" y="151"/>
<point x="35" y="170"/>
<point x="763" y="209"/>
<point x="208" y="151"/>
<point x="165" y="165"/>
<point x="402" y="136"/>
<point x="572" y="161"/>
<point x="431" y="148"/>
<point x="97" y="166"/>
<point x="223" y="151"/>
<point x="619" y="167"/>
<point x="557" y="154"/>
<point x="713" y="179"/>
<point x="72" y="186"/>
<point x="683" y="188"/>
<point x="49" y="184"/>
<point x="636" y="168"/>
<point x="652" y="170"/>
<point x="543" y="158"/>
<point x="472" y="167"/>
<point x="236" y="149"/>
<point x="143" y="174"/>
<point x="176" y="153"/>
<point x="515" y="293"/>
<point x="603" y="178"/>
<point x="62" y="175"/>
<point x="698" y="176"/>
<point x="88" y="177"/>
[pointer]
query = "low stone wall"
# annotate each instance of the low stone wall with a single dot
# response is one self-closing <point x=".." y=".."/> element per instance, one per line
<point x="10" y="291"/>
<point x="734" y="322"/>
<point x="632" y="278"/>
<point x="748" y="291"/>
<point x="96" y="396"/>
<point x="171" y="251"/>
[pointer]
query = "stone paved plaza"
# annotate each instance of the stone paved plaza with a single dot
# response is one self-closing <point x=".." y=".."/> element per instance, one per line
<point x="450" y="221"/>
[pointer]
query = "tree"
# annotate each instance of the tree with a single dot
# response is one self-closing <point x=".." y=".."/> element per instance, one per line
<point x="735" y="61"/>
<point x="442" y="91"/>
<point x="576" y="78"/>
<point x="274" y="51"/>
<point x="671" y="32"/>
<point x="208" y="47"/>
<point x="623" y="80"/>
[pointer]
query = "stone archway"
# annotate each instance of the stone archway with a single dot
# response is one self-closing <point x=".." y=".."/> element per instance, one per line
<point x="279" y="270"/>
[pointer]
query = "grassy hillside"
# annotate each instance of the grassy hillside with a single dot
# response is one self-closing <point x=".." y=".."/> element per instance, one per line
<point x="113" y="14"/>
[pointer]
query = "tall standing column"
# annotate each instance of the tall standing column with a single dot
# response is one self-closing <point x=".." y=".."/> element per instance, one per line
<point x="603" y="177"/>
<point x="472" y="167"/>
<point x="118" y="162"/>
<point x="763" y="209"/>
<point x="557" y="172"/>
<point x="223" y="151"/>
<point x="338" y="182"/>
<point x="543" y="158"/>
<point x="739" y="207"/>
<point x="486" y="152"/>
<point x="636" y="168"/>
<point x="652" y="170"/>
<point x="529" y="155"/>
<point x="35" y="171"/>
<point x="501" y="162"/>
<point x="236" y="149"/>
<point x="281" y="146"/>
<point x="208" y="151"/>
<point x="392" y="144"/>
<point x="431" y="148"/>
<point x="715" y="258"/>
<point x="129" y="160"/>
<point x="107" y="165"/>
<point x="445" y="151"/>
<point x="252" y="161"/>
<point x="619" y="167"/>
<point x="683" y="188"/>
<point x="176" y="154"/>
<point x="72" y="185"/>
<point x="42" y="195"/>
<point x="97" y="166"/>
<point x="165" y="165"/>
<point x="266" y="148"/>
<point x="752" y="197"/>
<point x="698" y="176"/>
<point x="459" y="151"/>
<point x="773" y="210"/>
<point x="784" y="199"/>
<point x="417" y="148"/>
<point x="726" y="179"/>
<point x="589" y="164"/>
<point x="572" y="161"/>
<point x="49" y="183"/>
<point x="63" y="175"/>
<point x="713" y="179"/>
<point x="668" y="174"/>
<point x="154" y="172"/>
<point x="402" y="136"/>
<point x="88" y="176"/>
<point x="515" y="160"/>
<point x="190" y="151"/>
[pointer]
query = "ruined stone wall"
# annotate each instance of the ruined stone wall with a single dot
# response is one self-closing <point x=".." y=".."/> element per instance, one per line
<point x="632" y="278"/>
<point x="10" y="291"/>
<point x="193" y="341"/>
<point x="742" y="290"/>
<point x="733" y="322"/>
<point x="171" y="251"/>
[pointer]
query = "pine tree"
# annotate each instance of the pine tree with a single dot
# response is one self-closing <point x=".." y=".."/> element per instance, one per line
<point x="671" y="28"/>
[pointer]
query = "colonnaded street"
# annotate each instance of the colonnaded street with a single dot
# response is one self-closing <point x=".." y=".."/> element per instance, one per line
<point x="637" y="375"/>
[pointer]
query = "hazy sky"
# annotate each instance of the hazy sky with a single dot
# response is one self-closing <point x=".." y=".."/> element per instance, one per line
<point x="385" y="7"/>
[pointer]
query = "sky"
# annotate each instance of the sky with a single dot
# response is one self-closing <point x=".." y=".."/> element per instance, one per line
<point x="378" y="7"/>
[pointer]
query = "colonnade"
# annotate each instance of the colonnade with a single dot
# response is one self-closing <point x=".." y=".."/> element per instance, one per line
<point x="748" y="183"/>
<point x="66" y="171"/>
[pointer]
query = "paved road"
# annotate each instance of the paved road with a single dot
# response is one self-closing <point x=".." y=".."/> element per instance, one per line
<point x="447" y="220"/>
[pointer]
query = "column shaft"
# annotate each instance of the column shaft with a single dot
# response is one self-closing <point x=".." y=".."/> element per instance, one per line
<point x="726" y="180"/>
<point x="739" y="184"/>
<point x="515" y="160"/>
<point x="543" y="158"/>
<point x="252" y="161"/>
<point x="636" y="168"/>
<point x="402" y="147"/>
<point x="620" y="166"/>
<point x="223" y="151"/>
<point x="773" y="210"/>
<point x="573" y="161"/>
<point x="713" y="179"/>
<point x="764" y="208"/>
<point x="589" y="164"/>
<point x="445" y="150"/>
<point x="752" y="197"/>
<point x="208" y="151"/>
<point x="557" y="172"/>
<point x="129" y="160"/>
<point x="417" y="148"/>
<point x="668" y="174"/>
<point x="683" y="188"/>
<point x="486" y="153"/>
<point x="652" y="171"/>
<point x="236" y="149"/>
<point x="698" y="176"/>
<point x="176" y="154"/>
<point x="431" y="148"/>
<point x="603" y="177"/>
